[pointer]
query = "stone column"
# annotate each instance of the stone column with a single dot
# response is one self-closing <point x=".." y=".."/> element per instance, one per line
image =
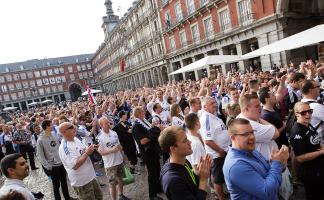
<point x="266" y="59"/>
<point x="183" y="73"/>
<point x="196" y="71"/>
<point x="241" y="50"/>
<point x="208" y="69"/>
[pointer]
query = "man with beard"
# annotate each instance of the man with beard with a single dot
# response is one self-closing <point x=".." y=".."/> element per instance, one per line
<point x="15" y="168"/>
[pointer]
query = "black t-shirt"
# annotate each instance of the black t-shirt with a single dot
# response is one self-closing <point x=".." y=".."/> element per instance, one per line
<point x="275" y="119"/>
<point x="306" y="140"/>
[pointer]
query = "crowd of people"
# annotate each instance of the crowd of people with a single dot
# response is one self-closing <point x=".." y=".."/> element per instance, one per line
<point x="237" y="136"/>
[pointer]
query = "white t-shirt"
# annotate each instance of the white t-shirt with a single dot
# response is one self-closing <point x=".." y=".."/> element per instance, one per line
<point x="198" y="149"/>
<point x="317" y="116"/>
<point x="17" y="185"/>
<point x="213" y="128"/>
<point x="177" y="121"/>
<point x="70" y="152"/>
<point x="107" y="141"/>
<point x="263" y="137"/>
<point x="86" y="139"/>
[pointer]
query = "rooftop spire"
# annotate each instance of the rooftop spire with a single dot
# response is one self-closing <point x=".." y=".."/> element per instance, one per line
<point x="109" y="10"/>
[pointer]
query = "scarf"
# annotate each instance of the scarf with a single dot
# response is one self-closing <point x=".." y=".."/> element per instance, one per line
<point x="144" y="123"/>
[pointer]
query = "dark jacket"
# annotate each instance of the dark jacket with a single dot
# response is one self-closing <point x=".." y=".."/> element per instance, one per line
<point x="178" y="184"/>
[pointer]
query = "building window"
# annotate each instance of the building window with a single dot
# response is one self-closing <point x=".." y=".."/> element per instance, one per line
<point x="25" y="84"/>
<point x="18" y="85"/>
<point x="58" y="80"/>
<point x="14" y="96"/>
<point x="37" y="74"/>
<point x="41" y="91"/>
<point x="203" y="2"/>
<point x="45" y="81"/>
<point x="2" y="80"/>
<point x="23" y="76"/>
<point x="72" y="77"/>
<point x="60" y="88"/>
<point x="50" y="72"/>
<point x="85" y="75"/>
<point x="6" y="97"/>
<point x="190" y="6"/>
<point x="16" y="77"/>
<point x="32" y="83"/>
<point x="61" y="70"/>
<point x="90" y="74"/>
<point x="52" y="80"/>
<point x="48" y="90"/>
<point x="183" y="38"/>
<point x="244" y="9"/>
<point x="83" y="67"/>
<point x="89" y="66"/>
<point x="44" y="73"/>
<point x="20" y="95"/>
<point x="70" y="68"/>
<point x="30" y="75"/>
<point x="4" y="88"/>
<point x="54" y="88"/>
<point x="195" y="33"/>
<point x="80" y="76"/>
<point x="79" y="68"/>
<point x="178" y="12"/>
<point x="63" y="79"/>
<point x="27" y="93"/>
<point x="11" y="87"/>
<point x="8" y="78"/>
<point x="35" y="93"/>
<point x="56" y="70"/>
<point x="39" y="82"/>
<point x="172" y="44"/>
<point x="167" y="19"/>
<point x="208" y="25"/>
<point x="225" y="20"/>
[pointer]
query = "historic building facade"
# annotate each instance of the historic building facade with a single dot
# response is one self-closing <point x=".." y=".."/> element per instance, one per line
<point x="132" y="54"/>
<point x="193" y="29"/>
<point x="57" y="79"/>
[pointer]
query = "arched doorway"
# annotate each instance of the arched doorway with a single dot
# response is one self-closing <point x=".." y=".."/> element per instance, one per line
<point x="75" y="91"/>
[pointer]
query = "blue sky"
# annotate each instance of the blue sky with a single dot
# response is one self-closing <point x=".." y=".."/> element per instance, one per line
<point x="35" y="29"/>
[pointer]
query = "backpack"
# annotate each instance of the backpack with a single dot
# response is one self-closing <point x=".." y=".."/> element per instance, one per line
<point x="291" y="120"/>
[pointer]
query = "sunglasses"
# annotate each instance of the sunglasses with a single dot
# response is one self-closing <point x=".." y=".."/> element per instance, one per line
<point x="310" y="111"/>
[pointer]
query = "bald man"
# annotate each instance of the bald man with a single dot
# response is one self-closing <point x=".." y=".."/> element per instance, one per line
<point x="75" y="158"/>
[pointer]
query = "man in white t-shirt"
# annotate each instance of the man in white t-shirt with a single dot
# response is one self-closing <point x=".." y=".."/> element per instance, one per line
<point x="265" y="133"/>
<point x="216" y="138"/>
<point x="197" y="144"/>
<point x="111" y="151"/>
<point x="75" y="158"/>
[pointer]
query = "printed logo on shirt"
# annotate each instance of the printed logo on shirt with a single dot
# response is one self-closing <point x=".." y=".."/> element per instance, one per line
<point x="223" y="127"/>
<point x="111" y="144"/>
<point x="82" y="151"/>
<point x="315" y="139"/>
<point x="53" y="143"/>
<point x="297" y="137"/>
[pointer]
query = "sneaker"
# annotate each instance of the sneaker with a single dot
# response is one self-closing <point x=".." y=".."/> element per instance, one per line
<point x="123" y="197"/>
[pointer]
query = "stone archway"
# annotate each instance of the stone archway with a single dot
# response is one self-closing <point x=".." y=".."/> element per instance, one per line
<point x="75" y="91"/>
<point x="164" y="73"/>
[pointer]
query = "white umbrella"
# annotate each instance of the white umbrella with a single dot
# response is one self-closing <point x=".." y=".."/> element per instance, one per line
<point x="209" y="60"/>
<point x="33" y="104"/>
<point x="9" y="108"/>
<point x="308" y="37"/>
<point x="47" y="101"/>
<point x="93" y="91"/>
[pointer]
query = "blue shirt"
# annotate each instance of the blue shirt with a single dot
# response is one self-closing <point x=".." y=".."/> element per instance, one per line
<point x="250" y="176"/>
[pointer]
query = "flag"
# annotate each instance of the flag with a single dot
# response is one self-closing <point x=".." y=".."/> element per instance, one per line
<point x="122" y="65"/>
<point x="91" y="97"/>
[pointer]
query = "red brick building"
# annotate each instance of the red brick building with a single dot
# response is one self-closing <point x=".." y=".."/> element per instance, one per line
<point x="193" y="29"/>
<point x="57" y="79"/>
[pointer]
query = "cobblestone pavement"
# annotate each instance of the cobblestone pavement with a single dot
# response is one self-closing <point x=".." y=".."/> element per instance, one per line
<point x="38" y="181"/>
